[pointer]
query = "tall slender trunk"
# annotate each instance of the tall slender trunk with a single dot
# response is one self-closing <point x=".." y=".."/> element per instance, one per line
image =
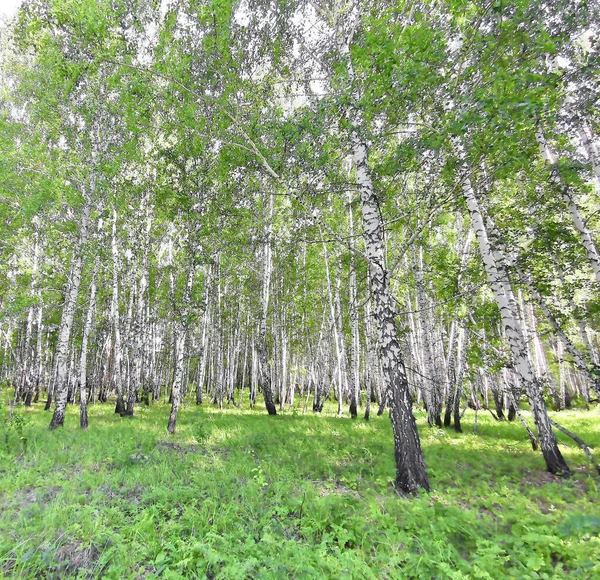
<point x="585" y="235"/>
<point x="500" y="284"/>
<point x="139" y="339"/>
<point x="245" y="361"/>
<point x="178" y="377"/>
<point x="129" y="385"/>
<point x="120" y="406"/>
<point x="371" y="366"/>
<point x="355" y="345"/>
<point x="462" y="361"/>
<point x="587" y="141"/>
<point x="83" y="395"/>
<point x="558" y="349"/>
<point x="39" y="354"/>
<point x="29" y="368"/>
<point x="181" y="329"/>
<point x="66" y="321"/>
<point x="336" y="333"/>
<point x="588" y="367"/>
<point x="411" y="473"/>
<point x="454" y="389"/>
<point x="284" y="365"/>
<point x="202" y="355"/>
<point x="430" y="386"/>
<point x="454" y="375"/>
<point x="265" y="379"/>
<point x="450" y="375"/>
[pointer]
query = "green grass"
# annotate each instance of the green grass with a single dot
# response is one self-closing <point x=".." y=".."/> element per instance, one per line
<point x="238" y="494"/>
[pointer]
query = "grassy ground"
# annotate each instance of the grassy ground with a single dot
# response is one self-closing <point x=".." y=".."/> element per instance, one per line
<point x="238" y="494"/>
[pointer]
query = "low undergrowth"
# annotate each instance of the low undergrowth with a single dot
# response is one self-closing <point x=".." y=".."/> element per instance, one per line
<point x="238" y="494"/>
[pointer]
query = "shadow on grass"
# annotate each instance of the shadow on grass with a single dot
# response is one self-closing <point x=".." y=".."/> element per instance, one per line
<point x="287" y="496"/>
<point x="355" y="454"/>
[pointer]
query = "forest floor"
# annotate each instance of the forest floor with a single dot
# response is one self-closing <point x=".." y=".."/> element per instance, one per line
<point x="238" y="494"/>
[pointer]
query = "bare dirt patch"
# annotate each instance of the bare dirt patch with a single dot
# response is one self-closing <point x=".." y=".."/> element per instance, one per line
<point x="73" y="557"/>
<point x="31" y="495"/>
<point x="537" y="478"/>
<point x="534" y="479"/>
<point x="171" y="446"/>
<point x="183" y="450"/>
<point x="132" y="496"/>
<point x="335" y="487"/>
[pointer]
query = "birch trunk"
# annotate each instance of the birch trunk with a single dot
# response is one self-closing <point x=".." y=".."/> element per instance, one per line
<point x="83" y="395"/>
<point x="140" y="338"/>
<point x="177" y="379"/>
<point x="557" y="347"/>
<point x="589" y="368"/>
<point x="66" y="321"/>
<point x="39" y="354"/>
<point x="336" y="333"/>
<point x="263" y="353"/>
<point x="32" y="318"/>
<point x="355" y="348"/>
<point x="453" y="378"/>
<point x="130" y="388"/>
<point x="587" y="141"/>
<point x="411" y="473"/>
<point x="180" y="342"/>
<point x="585" y="236"/>
<point x="202" y="356"/>
<point x="430" y="386"/>
<point x="498" y="279"/>
<point x="462" y="361"/>
<point x="371" y="362"/>
<point x="120" y="406"/>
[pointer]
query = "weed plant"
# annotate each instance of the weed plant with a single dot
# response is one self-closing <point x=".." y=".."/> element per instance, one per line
<point x="238" y="494"/>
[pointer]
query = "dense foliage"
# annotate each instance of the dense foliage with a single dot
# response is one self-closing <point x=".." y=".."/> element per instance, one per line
<point x="297" y="204"/>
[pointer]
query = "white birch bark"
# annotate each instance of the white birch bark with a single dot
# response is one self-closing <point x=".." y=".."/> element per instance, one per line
<point x="410" y="464"/>
<point x="83" y="395"/>
<point x="355" y="348"/>
<point x="66" y="321"/>
<point x="454" y="352"/>
<point x="143" y="309"/>
<point x="371" y="367"/>
<point x="587" y="141"/>
<point x="181" y="333"/>
<point x="129" y="389"/>
<point x="140" y="337"/>
<point x="411" y="473"/>
<point x="32" y="318"/>
<point x="284" y="366"/>
<point x="39" y="354"/>
<point x="463" y="338"/>
<point x="558" y="349"/>
<point x="585" y="235"/>
<point x="336" y="333"/>
<point x="265" y="378"/>
<point x="588" y="367"/>
<point x="500" y="284"/>
<point x="430" y="387"/>
<point x="202" y="355"/>
<point x="245" y="361"/>
<point x="118" y="374"/>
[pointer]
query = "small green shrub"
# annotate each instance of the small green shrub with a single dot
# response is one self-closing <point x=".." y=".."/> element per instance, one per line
<point x="13" y="427"/>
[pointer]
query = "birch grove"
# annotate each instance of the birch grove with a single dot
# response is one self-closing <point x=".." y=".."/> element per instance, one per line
<point x="319" y="207"/>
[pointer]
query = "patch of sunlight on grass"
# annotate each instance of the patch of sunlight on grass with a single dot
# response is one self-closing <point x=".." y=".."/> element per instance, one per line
<point x="238" y="494"/>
